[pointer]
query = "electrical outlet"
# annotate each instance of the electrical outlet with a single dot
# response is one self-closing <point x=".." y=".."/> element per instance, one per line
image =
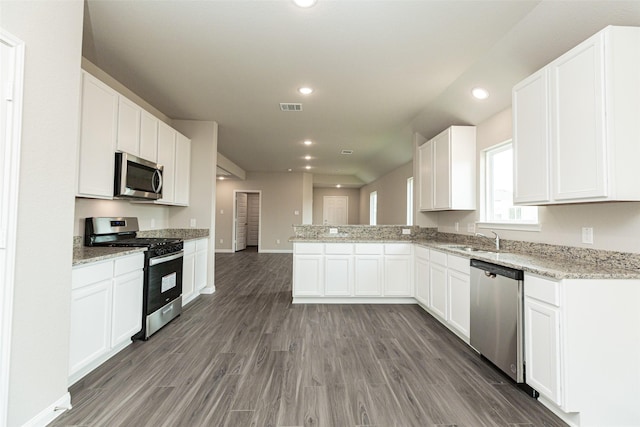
<point x="192" y="223"/>
<point x="277" y="241"/>
<point x="456" y="226"/>
<point x="587" y="235"/>
<point x="153" y="223"/>
<point x="471" y="227"/>
<point x="296" y="212"/>
<point x="406" y="231"/>
<point x="221" y="211"/>
<point x="221" y="241"/>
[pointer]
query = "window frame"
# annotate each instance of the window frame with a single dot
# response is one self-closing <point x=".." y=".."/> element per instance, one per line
<point x="486" y="189"/>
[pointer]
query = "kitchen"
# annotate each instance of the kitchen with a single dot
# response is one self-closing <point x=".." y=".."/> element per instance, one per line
<point x="41" y="303"/>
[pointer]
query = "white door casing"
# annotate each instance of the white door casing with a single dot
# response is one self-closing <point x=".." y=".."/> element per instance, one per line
<point x="241" y="221"/>
<point x="11" y="89"/>
<point x="335" y="210"/>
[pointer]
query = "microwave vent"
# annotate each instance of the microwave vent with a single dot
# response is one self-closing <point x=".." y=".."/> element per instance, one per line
<point x="286" y="106"/>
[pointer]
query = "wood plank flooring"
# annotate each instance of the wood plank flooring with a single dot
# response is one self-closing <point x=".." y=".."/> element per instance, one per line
<point x="245" y="356"/>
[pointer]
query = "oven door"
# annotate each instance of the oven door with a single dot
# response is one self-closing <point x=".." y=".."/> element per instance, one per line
<point x="164" y="280"/>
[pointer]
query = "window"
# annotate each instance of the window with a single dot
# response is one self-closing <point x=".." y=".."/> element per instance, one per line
<point x="373" y="208"/>
<point x="498" y="189"/>
<point x="410" y="201"/>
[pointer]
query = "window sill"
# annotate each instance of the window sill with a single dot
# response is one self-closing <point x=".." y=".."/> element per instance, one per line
<point x="509" y="226"/>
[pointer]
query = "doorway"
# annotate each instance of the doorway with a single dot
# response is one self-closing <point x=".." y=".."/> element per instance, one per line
<point x="335" y="210"/>
<point x="246" y="222"/>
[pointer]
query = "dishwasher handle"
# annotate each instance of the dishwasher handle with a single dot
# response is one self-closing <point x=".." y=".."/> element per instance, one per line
<point x="490" y="274"/>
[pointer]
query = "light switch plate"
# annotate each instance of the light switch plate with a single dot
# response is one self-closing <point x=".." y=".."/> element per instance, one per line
<point x="192" y="223"/>
<point x="296" y="212"/>
<point x="587" y="235"/>
<point x="406" y="231"/>
<point x="333" y="231"/>
<point x="471" y="227"/>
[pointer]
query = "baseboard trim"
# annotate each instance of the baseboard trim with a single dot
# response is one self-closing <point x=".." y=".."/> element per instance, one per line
<point x="51" y="412"/>
<point x="224" y="251"/>
<point x="208" y="290"/>
<point x="276" y="251"/>
<point x="354" y="300"/>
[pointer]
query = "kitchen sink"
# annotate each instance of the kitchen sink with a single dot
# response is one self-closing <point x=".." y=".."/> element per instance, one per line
<point x="471" y="249"/>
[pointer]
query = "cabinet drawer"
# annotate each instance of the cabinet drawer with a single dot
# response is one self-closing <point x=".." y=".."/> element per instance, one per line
<point x="369" y="249"/>
<point x="461" y="264"/>
<point x="91" y="273"/>
<point x="438" y="257"/>
<point x="422" y="252"/>
<point x="202" y="245"/>
<point x="129" y="263"/>
<point x="308" y="248"/>
<point x="397" y="249"/>
<point x="189" y="247"/>
<point x="542" y="289"/>
<point x="338" y="249"/>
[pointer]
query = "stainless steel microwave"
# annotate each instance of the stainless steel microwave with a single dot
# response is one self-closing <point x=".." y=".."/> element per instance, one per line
<point x="137" y="178"/>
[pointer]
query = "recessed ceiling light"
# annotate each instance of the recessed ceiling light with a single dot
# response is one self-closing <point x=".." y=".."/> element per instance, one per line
<point x="221" y="178"/>
<point x="305" y="3"/>
<point x="338" y="186"/>
<point x="479" y="93"/>
<point x="307" y="167"/>
<point x="305" y="90"/>
<point x="307" y="157"/>
<point x="308" y="142"/>
<point x="289" y="170"/>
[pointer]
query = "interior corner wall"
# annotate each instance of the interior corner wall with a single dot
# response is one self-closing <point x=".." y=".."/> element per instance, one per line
<point x="353" y="194"/>
<point x="281" y="198"/>
<point x="616" y="225"/>
<point x="52" y="33"/>
<point x="392" y="197"/>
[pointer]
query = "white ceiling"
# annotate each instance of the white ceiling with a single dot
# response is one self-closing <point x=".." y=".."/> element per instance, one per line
<point x="381" y="69"/>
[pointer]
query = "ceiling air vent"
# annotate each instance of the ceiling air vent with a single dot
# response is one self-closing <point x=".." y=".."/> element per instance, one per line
<point x="346" y="152"/>
<point x="285" y="106"/>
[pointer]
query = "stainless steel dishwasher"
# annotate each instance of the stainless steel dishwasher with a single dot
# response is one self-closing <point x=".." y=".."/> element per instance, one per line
<point x="497" y="316"/>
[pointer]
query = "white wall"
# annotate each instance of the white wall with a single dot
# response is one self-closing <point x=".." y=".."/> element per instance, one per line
<point x="52" y="32"/>
<point x="353" y="194"/>
<point x="148" y="214"/>
<point x="616" y="225"/>
<point x="392" y="197"/>
<point x="281" y="197"/>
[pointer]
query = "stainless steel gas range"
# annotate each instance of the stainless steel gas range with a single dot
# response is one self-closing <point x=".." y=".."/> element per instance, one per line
<point x="162" y="300"/>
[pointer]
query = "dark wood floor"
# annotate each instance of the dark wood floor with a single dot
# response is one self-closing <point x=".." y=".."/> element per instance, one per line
<point x="245" y="356"/>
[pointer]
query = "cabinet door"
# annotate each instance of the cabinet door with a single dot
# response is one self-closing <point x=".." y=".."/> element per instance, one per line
<point x="442" y="170"/>
<point x="368" y="275"/>
<point x="459" y="300"/>
<point x="338" y="276"/>
<point x="397" y="275"/>
<point x="98" y="127"/>
<point x="542" y="348"/>
<point x="128" y="127"/>
<point x="188" y="278"/>
<point x="577" y="135"/>
<point x="149" y="137"/>
<point x="90" y="335"/>
<point x="182" y="170"/>
<point x="438" y="289"/>
<point x="422" y="279"/>
<point x="127" y="307"/>
<point x="425" y="162"/>
<point x="531" y="140"/>
<point x="307" y="275"/>
<point x="166" y="157"/>
<point x="201" y="266"/>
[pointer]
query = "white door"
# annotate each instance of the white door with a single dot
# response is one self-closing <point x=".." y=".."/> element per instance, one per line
<point x="253" y="218"/>
<point x="335" y="210"/>
<point x="241" y="221"/>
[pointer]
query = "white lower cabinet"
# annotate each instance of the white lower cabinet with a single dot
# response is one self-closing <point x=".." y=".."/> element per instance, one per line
<point x="449" y="294"/>
<point x="421" y="275"/>
<point x="194" y="269"/>
<point x="106" y="310"/>
<point x="367" y="271"/>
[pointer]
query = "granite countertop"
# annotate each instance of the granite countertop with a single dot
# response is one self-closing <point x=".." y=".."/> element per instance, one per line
<point x="555" y="268"/>
<point x="86" y="254"/>
<point x="346" y="239"/>
<point x="89" y="254"/>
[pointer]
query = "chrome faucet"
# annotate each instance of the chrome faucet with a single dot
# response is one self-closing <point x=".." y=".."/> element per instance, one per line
<point x="497" y="239"/>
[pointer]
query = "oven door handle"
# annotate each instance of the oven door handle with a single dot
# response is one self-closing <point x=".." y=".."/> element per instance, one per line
<point x="166" y="258"/>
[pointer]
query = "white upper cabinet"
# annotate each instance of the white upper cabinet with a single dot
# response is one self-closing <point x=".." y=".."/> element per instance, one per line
<point x="166" y="158"/>
<point x="128" y="126"/>
<point x="149" y="137"/>
<point x="448" y="170"/>
<point x="182" y="169"/>
<point x="586" y="118"/>
<point x="531" y="139"/>
<point x="98" y="131"/>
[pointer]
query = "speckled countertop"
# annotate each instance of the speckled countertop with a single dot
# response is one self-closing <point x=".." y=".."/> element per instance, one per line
<point x="85" y="254"/>
<point x="555" y="268"/>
